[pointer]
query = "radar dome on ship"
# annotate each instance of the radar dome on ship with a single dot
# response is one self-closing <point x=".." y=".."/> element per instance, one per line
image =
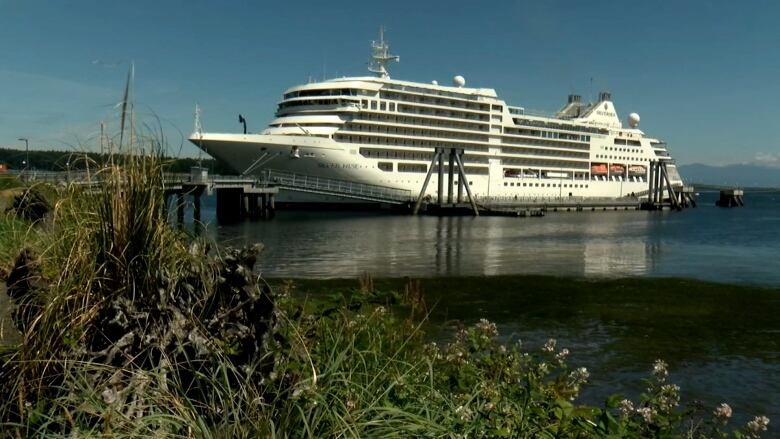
<point x="459" y="81"/>
<point x="633" y="120"/>
<point x="435" y="82"/>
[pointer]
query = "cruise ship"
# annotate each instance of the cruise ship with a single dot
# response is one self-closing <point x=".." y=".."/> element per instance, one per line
<point x="383" y="131"/>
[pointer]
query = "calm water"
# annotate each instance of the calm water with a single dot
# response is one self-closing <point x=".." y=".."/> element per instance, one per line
<point x="725" y="245"/>
<point x="741" y="245"/>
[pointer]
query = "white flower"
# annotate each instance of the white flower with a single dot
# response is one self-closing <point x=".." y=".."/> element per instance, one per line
<point x="487" y="328"/>
<point x="580" y="375"/>
<point x="550" y="345"/>
<point x="465" y="413"/>
<point x="561" y="356"/>
<point x="626" y="407"/>
<point x="647" y="414"/>
<point x="669" y="397"/>
<point x="660" y="370"/>
<point x="109" y="396"/>
<point x="757" y="426"/>
<point x="723" y="412"/>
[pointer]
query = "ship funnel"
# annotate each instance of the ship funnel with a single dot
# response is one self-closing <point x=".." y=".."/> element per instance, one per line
<point x="574" y="98"/>
<point x="605" y="96"/>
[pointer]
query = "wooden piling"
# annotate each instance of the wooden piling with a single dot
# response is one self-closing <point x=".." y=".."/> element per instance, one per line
<point x="229" y="204"/>
<point x="196" y="207"/>
<point x="441" y="180"/>
<point x="730" y="198"/>
<point x="450" y="180"/>
<point x="180" y="207"/>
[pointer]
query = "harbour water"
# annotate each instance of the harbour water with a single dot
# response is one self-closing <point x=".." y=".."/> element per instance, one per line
<point x="716" y="354"/>
<point x="737" y="245"/>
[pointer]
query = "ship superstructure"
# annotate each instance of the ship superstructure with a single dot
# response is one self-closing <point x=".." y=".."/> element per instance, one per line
<point x="384" y="131"/>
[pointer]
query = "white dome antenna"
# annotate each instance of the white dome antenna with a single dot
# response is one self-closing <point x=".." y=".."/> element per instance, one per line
<point x="435" y="82"/>
<point x="458" y="81"/>
<point x="633" y="120"/>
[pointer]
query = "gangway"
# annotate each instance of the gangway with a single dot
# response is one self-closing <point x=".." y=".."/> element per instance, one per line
<point x="330" y="186"/>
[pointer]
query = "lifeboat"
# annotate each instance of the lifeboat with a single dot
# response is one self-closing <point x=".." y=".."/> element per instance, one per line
<point x="617" y="169"/>
<point x="637" y="170"/>
<point x="598" y="169"/>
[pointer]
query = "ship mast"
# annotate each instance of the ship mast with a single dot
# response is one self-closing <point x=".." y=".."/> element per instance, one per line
<point x="380" y="56"/>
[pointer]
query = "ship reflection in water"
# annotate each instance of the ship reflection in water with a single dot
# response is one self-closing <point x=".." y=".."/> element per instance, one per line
<point x="345" y="245"/>
<point x="695" y="243"/>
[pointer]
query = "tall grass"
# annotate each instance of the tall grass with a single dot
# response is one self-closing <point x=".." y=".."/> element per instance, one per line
<point x="104" y="242"/>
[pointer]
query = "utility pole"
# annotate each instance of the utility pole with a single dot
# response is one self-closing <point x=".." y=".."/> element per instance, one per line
<point x="27" y="151"/>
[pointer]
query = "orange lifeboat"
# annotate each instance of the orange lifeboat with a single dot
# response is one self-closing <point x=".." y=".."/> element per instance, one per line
<point x="598" y="169"/>
<point x="637" y="170"/>
<point x="617" y="169"/>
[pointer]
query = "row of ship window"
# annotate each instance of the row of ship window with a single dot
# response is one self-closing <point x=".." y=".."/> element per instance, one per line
<point x="540" y="142"/>
<point x="327" y="92"/>
<point x="627" y="142"/>
<point x="430" y="91"/>
<point x="420" y="168"/>
<point x="584" y="186"/>
<point x="556" y="126"/>
<point x="507" y="142"/>
<point x="413" y="155"/>
<point x="545" y="163"/>
<point x="391" y="106"/>
<point x="475" y="138"/>
<point x="374" y="140"/>
<point x="544" y="152"/>
<point x="439" y="123"/>
<point x="614" y="157"/>
<point x="416" y="132"/>
<point x="612" y="148"/>
<point x="434" y="101"/>
<point x="309" y="102"/>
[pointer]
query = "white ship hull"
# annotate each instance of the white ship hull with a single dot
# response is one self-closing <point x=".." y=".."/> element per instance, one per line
<point x="326" y="158"/>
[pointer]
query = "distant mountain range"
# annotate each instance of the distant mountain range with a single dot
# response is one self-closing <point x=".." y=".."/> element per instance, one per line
<point x="731" y="175"/>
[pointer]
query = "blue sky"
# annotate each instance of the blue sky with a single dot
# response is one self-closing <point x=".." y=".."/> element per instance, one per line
<point x="703" y="75"/>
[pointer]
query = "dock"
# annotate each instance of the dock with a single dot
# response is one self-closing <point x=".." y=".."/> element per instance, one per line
<point x="254" y="197"/>
<point x="730" y="198"/>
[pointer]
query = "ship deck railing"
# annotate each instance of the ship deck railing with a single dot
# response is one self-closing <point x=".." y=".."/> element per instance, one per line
<point x="558" y="201"/>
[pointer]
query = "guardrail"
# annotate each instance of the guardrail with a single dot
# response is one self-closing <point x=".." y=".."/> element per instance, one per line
<point x="308" y="183"/>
